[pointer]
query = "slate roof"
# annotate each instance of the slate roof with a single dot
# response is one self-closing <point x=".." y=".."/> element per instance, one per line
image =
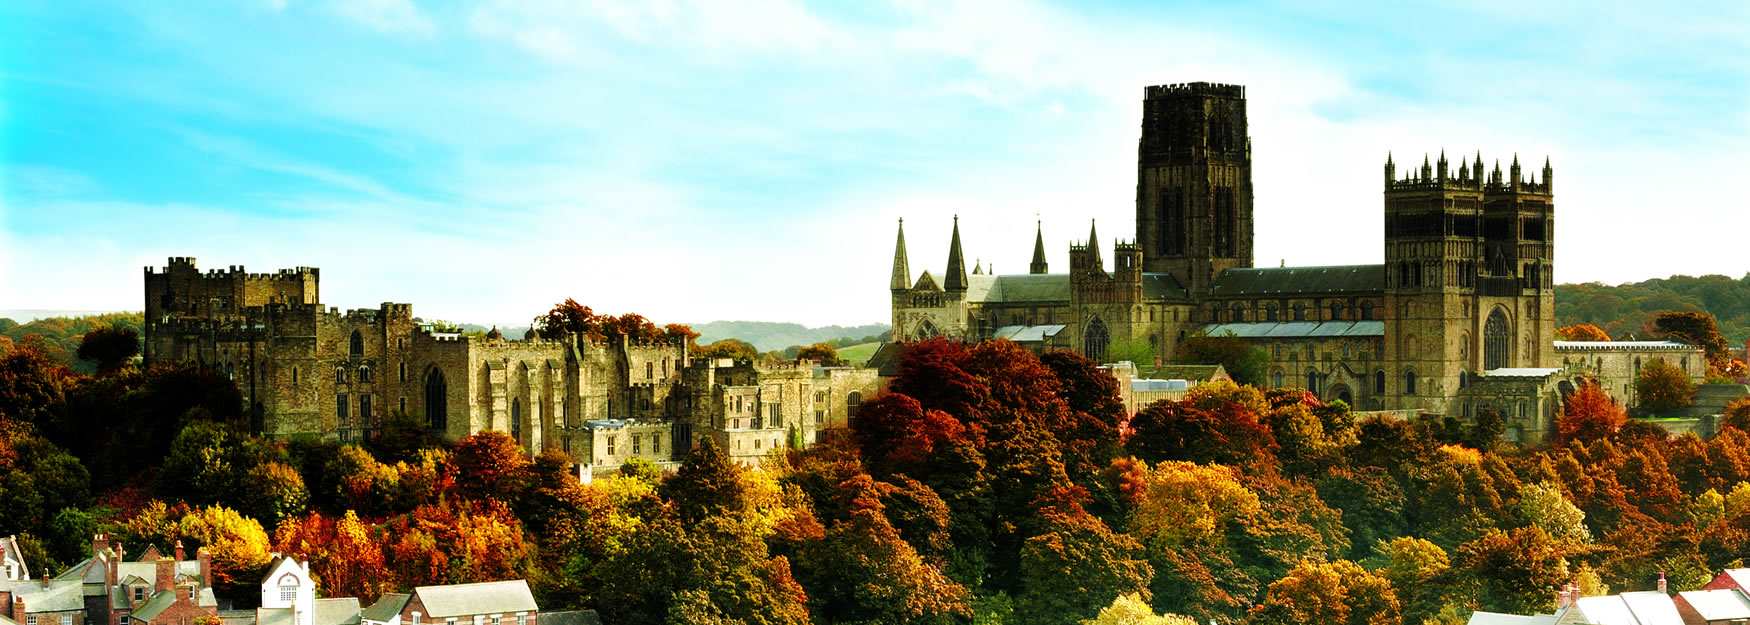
<point x="1299" y="280"/>
<point x="1192" y="373"/>
<point x="1497" y="618"/>
<point x="885" y="360"/>
<point x="1027" y="334"/>
<point x="1054" y="288"/>
<point x="1520" y="372"/>
<point x="155" y="605"/>
<point x="477" y="598"/>
<point x="1647" y="607"/>
<point x="1712" y="605"/>
<point x="387" y="606"/>
<point x="336" y="611"/>
<point x="1296" y="329"/>
<point x="59" y="596"/>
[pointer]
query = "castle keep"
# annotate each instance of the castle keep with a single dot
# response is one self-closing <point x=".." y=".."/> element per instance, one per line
<point x="1465" y="289"/>
<point x="306" y="370"/>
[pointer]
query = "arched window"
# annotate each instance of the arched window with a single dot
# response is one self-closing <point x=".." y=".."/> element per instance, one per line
<point x="358" y="344"/>
<point x="1239" y="313"/>
<point x="926" y="330"/>
<point x="1379" y="382"/>
<point x="403" y="372"/>
<point x="288" y="588"/>
<point x="1270" y="312"/>
<point x="1312" y="382"/>
<point x="1497" y="341"/>
<point x="1464" y="379"/>
<point x="340" y="376"/>
<point x="1336" y="311"/>
<point x="294" y="376"/>
<point x="365" y="375"/>
<point x="1094" y="341"/>
<point x="1300" y="312"/>
<point x="853" y="402"/>
<point x="1276" y="379"/>
<point x="1409" y="383"/>
<point x="436" y="400"/>
<point x="1367" y="311"/>
<point x="516" y="419"/>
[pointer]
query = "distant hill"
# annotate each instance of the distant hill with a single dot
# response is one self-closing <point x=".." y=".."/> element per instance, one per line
<point x="859" y="353"/>
<point x="58" y="336"/>
<point x="772" y="336"/>
<point x="1623" y="309"/>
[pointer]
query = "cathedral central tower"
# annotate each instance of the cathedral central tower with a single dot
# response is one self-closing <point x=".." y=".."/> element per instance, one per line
<point x="1194" y="182"/>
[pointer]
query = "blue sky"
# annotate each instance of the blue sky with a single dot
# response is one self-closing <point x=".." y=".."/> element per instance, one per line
<point x="748" y="160"/>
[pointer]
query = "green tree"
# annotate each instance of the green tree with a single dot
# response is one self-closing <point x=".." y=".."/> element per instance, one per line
<point x="110" y="348"/>
<point x="728" y="348"/>
<point x="1339" y="592"/>
<point x="1544" y="506"/>
<point x="1516" y="571"/>
<point x="822" y="353"/>
<point x="1662" y="388"/>
<point x="1076" y="565"/>
<point x="1246" y="363"/>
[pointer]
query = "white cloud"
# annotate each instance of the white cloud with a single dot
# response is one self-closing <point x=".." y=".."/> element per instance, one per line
<point x="395" y="17"/>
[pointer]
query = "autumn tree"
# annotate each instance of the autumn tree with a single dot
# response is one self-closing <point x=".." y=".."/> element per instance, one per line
<point x="1695" y="328"/>
<point x="1515" y="571"/>
<point x="109" y="348"/>
<point x="1339" y="592"/>
<point x="31" y="385"/>
<point x="1737" y="415"/>
<point x="1582" y="332"/>
<point x="276" y="491"/>
<point x="1662" y="387"/>
<point x="1419" y="571"/>
<point x="491" y="465"/>
<point x="1134" y="610"/>
<point x="1371" y="501"/>
<point x="1218" y="422"/>
<point x="344" y="555"/>
<point x="1545" y="507"/>
<point x="1076" y="565"/>
<point x="736" y="349"/>
<point x="863" y="572"/>
<point x="454" y="542"/>
<point x="1589" y="414"/>
<point x="238" y="545"/>
<point x="823" y="353"/>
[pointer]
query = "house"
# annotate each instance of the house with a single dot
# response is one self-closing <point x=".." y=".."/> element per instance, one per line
<point x="106" y="589"/>
<point x="1647" y="607"/>
<point x="288" y="597"/>
<point x="1723" y="606"/>
<point x="483" y="603"/>
<point x="12" y="568"/>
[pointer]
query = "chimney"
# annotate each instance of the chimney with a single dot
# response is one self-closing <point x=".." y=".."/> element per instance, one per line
<point x="112" y="569"/>
<point x="18" y="610"/>
<point x="99" y="544"/>
<point x="116" y="546"/>
<point x="206" y="566"/>
<point x="179" y="555"/>
<point x="1662" y="585"/>
<point x="1561" y="598"/>
<point x="166" y="575"/>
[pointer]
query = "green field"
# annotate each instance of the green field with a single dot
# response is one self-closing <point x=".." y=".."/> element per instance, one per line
<point x="859" y="353"/>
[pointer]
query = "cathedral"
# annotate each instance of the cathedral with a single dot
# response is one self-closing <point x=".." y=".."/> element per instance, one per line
<point x="1465" y="289"/>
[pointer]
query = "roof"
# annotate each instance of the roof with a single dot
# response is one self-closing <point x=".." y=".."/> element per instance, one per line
<point x="1299" y="280"/>
<point x="1192" y="373"/>
<point x="336" y="611"/>
<point x="477" y="598"/>
<point x="59" y="596"/>
<point x="1647" y="607"/>
<point x="1027" y="334"/>
<point x="885" y="360"/>
<point x="1624" y="346"/>
<point x="1714" y="605"/>
<point x="155" y="605"/>
<point x="1296" y="329"/>
<point x="1043" y="287"/>
<point x="1521" y="372"/>
<point x="387" y="606"/>
<point x="1740" y="577"/>
<point x="1498" y="618"/>
<point x="1159" y="385"/>
<point x="237" y="617"/>
<point x="571" y="617"/>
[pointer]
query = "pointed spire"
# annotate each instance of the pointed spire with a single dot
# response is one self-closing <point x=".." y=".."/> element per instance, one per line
<point x="1094" y="248"/>
<point x="1391" y="170"/>
<point x="1514" y="170"/>
<point x="901" y="270"/>
<point x="1038" y="266"/>
<point x="955" y="279"/>
<point x="1548" y="175"/>
<point x="977" y="267"/>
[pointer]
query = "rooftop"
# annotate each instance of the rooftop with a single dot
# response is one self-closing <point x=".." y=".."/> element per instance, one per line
<point x="506" y="597"/>
<point x="1299" y="280"/>
<point x="1623" y="346"/>
<point x="1296" y="329"/>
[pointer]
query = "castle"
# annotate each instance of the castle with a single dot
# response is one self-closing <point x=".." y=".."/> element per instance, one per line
<point x="306" y="370"/>
<point x="1465" y="289"/>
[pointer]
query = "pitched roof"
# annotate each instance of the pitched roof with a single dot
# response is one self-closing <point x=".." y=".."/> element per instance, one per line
<point x="1193" y="373"/>
<point x="336" y="611"/>
<point x="477" y="598"/>
<point x="1712" y="605"/>
<point x="1299" y="280"/>
<point x="59" y="596"/>
<point x="155" y="605"/>
<point x="885" y="360"/>
<point x="387" y="606"/>
<point x="1497" y="618"/>
<point x="1647" y="607"/>
<point x="1055" y="288"/>
<point x="15" y="555"/>
<point x="1027" y="334"/>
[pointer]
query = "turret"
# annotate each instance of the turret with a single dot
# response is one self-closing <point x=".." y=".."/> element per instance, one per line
<point x="1391" y="171"/>
<point x="1549" y="176"/>
<point x="1038" y="266"/>
<point x="1442" y="166"/>
<point x="1427" y="169"/>
<point x="1515" y="170"/>
<point x="955" y="279"/>
<point x="901" y="270"/>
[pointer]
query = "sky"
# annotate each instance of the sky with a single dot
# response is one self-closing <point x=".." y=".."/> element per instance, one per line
<point x="694" y="161"/>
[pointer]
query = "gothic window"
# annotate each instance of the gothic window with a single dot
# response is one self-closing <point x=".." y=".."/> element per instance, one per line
<point x="1173" y="221"/>
<point x="294" y="376"/>
<point x="340" y="376"/>
<point x="1497" y="339"/>
<point x="365" y="375"/>
<point x="1270" y="311"/>
<point x="1312" y="381"/>
<point x="358" y="344"/>
<point x="853" y="402"/>
<point x="1226" y="225"/>
<point x="516" y="419"/>
<point x="1367" y="311"/>
<point x="402" y="372"/>
<point x="1379" y="382"/>
<point x="1336" y="311"/>
<point x="1276" y="379"/>
<point x="1409" y="383"/>
<point x="1239" y="313"/>
<point x="926" y="330"/>
<point x="436" y="400"/>
<point x="1300" y="312"/>
<point x="1463" y="379"/>
<point x="1094" y="341"/>
<point x="365" y="409"/>
<point x="288" y="588"/>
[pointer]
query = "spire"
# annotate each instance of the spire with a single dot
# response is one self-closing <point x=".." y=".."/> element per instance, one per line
<point x="1038" y="265"/>
<point x="901" y="270"/>
<point x="1443" y="169"/>
<point x="1427" y="169"/>
<point x="1514" y="170"/>
<point x="955" y="279"/>
<point x="977" y="267"/>
<point x="1548" y="175"/>
<point x="1094" y="248"/>
<point x="1391" y="170"/>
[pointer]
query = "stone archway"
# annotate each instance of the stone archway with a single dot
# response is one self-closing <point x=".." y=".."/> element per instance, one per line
<point x="1341" y="391"/>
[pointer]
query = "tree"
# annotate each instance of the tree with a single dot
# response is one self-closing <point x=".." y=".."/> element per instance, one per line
<point x="1216" y="423"/>
<point x="1516" y="571"/>
<point x="31" y="385"/>
<point x="1662" y="387"/>
<point x="490" y="465"/>
<point x="345" y="557"/>
<point x="728" y="348"/>
<point x="1076" y="565"/>
<point x="1134" y="610"/>
<point x="862" y="572"/>
<point x="110" y="348"/>
<point x="237" y="544"/>
<point x="276" y="491"/>
<point x="1544" y="506"/>
<point x="1695" y="328"/>
<point x="1418" y="570"/>
<point x="1338" y="593"/>
<point x="1246" y="363"/>
<point x="1372" y="504"/>
<point x="1737" y="415"/>
<point x="1582" y="332"/>
<point x="822" y="353"/>
<point x="1589" y="414"/>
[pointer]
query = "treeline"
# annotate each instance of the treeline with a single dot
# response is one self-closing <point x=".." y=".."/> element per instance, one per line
<point x="1623" y="310"/>
<point x="58" y="337"/>
<point x="773" y="336"/>
<point x="989" y="485"/>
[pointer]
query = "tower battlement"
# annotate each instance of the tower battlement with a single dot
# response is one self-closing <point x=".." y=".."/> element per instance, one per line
<point x="1194" y="88"/>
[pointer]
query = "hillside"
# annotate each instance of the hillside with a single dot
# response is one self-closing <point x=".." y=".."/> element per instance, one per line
<point x="771" y="336"/>
<point x="59" y="336"/>
<point x="1623" y="309"/>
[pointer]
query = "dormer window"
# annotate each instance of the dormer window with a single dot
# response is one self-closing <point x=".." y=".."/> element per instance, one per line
<point x="139" y="594"/>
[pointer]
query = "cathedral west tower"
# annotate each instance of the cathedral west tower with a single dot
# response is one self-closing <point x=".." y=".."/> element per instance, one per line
<point x="1194" y="182"/>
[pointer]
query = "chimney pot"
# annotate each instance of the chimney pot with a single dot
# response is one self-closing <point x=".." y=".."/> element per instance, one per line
<point x="1662" y="584"/>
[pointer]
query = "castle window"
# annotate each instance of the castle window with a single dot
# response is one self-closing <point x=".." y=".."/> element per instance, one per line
<point x="610" y="445"/>
<point x="1270" y="312"/>
<point x="1496" y="341"/>
<point x="1095" y="340"/>
<point x="1464" y="379"/>
<point x="365" y="375"/>
<point x="656" y="444"/>
<point x="358" y="344"/>
<point x="1276" y="379"/>
<point x="1312" y="382"/>
<point x="1300" y="312"/>
<point x="649" y="370"/>
<point x="1379" y="382"/>
<point x="637" y="444"/>
<point x="436" y="400"/>
<point x="853" y="402"/>
<point x="401" y="406"/>
<point x="1409" y="383"/>
<point x="403" y="372"/>
<point x="365" y="408"/>
<point x="1239" y="313"/>
<point x="340" y="376"/>
<point x="1367" y="311"/>
<point x="294" y="376"/>
<point x="1336" y="311"/>
<point x="340" y="406"/>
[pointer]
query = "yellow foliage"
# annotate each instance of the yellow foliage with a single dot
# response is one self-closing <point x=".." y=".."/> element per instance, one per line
<point x="1130" y="609"/>
<point x="1220" y="394"/>
<point x="1459" y="454"/>
<point x="1738" y="500"/>
<point x="1184" y="502"/>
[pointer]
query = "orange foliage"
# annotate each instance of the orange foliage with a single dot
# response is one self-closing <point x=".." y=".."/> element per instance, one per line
<point x="1589" y="414"/>
<point x="1582" y="332"/>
